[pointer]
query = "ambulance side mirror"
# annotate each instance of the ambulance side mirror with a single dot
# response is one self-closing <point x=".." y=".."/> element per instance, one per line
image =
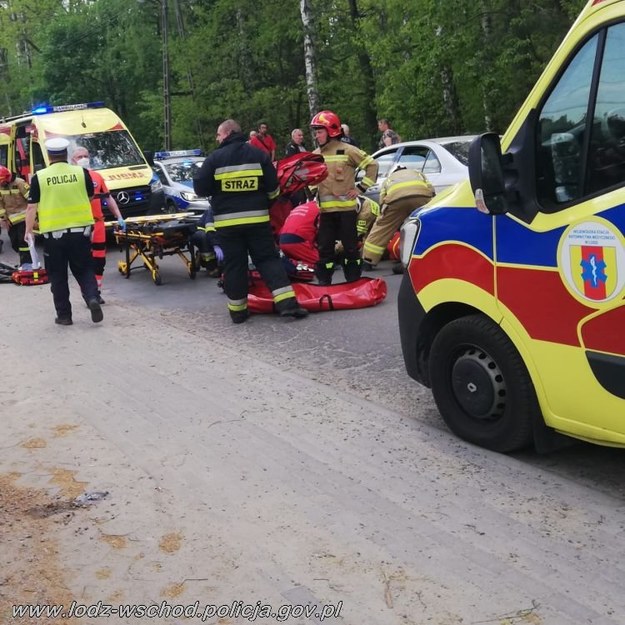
<point x="486" y="174"/>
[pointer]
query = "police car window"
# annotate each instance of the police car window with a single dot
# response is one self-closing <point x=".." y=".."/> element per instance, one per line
<point x="562" y="130"/>
<point x="606" y="165"/>
<point x="108" y="149"/>
<point x="161" y="175"/>
<point x="413" y="157"/>
<point x="183" y="171"/>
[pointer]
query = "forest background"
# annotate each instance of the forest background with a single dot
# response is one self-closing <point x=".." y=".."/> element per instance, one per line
<point x="433" y="67"/>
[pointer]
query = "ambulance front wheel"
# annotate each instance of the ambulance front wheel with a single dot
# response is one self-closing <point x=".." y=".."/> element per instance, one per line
<point x="481" y="385"/>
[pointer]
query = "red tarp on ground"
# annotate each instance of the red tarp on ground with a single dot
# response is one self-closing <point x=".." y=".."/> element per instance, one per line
<point x="359" y="294"/>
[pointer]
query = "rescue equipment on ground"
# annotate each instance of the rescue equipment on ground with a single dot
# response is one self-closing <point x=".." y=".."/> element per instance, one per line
<point x="30" y="274"/>
<point x="362" y="293"/>
<point x="147" y="239"/>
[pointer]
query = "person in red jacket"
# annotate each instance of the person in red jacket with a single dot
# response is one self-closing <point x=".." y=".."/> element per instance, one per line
<point x="299" y="233"/>
<point x="80" y="156"/>
<point x="264" y="141"/>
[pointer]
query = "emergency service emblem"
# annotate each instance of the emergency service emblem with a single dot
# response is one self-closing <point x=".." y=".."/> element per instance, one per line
<point x="591" y="259"/>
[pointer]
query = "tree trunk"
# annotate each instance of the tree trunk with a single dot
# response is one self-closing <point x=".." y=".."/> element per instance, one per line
<point x="310" y="57"/>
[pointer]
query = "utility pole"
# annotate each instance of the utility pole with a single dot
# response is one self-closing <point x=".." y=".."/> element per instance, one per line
<point x="182" y="34"/>
<point x="166" y="90"/>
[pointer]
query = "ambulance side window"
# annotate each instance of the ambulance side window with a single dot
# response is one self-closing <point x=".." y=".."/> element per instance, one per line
<point x="38" y="162"/>
<point x="606" y="164"/>
<point x="561" y="132"/>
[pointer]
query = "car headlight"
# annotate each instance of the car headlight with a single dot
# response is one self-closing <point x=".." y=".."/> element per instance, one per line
<point x="189" y="197"/>
<point x="408" y="239"/>
<point x="156" y="185"/>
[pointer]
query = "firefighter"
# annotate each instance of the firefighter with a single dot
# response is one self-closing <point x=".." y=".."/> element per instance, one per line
<point x="101" y="197"/>
<point x="59" y="196"/>
<point x="368" y="211"/>
<point x="337" y="196"/>
<point x="403" y="191"/>
<point x="13" y="202"/>
<point x="205" y="239"/>
<point x="242" y="181"/>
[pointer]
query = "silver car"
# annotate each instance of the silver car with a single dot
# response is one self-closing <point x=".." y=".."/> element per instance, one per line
<point x="443" y="160"/>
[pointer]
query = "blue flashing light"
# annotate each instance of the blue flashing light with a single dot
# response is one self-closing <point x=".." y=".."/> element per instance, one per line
<point x="48" y="108"/>
<point x="159" y="156"/>
<point x="40" y="110"/>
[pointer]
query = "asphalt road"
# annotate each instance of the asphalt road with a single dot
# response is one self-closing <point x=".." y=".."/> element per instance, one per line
<point x="289" y="462"/>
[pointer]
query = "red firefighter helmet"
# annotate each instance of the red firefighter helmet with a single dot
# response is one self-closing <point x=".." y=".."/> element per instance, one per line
<point x="328" y="120"/>
<point x="5" y="175"/>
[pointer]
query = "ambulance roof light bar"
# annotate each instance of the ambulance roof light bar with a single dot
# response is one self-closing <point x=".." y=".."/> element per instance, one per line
<point x="48" y="108"/>
<point x="159" y="156"/>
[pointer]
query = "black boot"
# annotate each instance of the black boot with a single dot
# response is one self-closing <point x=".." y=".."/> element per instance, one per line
<point x="290" y="308"/>
<point x="352" y="269"/>
<point x="239" y="316"/>
<point x="323" y="272"/>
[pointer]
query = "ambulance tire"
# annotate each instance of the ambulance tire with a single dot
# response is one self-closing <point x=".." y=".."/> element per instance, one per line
<point x="481" y="385"/>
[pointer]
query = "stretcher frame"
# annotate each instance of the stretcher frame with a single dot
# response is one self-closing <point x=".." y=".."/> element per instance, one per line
<point x="151" y="246"/>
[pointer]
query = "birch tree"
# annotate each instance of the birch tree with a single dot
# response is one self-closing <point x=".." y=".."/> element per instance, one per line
<point x="310" y="57"/>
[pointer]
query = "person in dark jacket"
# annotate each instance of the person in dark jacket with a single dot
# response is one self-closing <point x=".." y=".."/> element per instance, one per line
<point x="241" y="182"/>
<point x="296" y="145"/>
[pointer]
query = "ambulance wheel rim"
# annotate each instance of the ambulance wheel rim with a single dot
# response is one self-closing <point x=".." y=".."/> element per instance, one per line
<point x="478" y="385"/>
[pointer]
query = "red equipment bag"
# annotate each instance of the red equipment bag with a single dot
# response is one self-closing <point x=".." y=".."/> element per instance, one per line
<point x="32" y="277"/>
<point x="294" y="173"/>
<point x="345" y="295"/>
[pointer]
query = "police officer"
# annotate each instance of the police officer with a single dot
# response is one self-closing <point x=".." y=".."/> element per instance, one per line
<point x="403" y="191"/>
<point x="241" y="181"/>
<point x="13" y="194"/>
<point x="59" y="196"/>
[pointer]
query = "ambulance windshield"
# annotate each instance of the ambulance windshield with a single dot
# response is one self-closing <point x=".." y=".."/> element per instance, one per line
<point x="107" y="149"/>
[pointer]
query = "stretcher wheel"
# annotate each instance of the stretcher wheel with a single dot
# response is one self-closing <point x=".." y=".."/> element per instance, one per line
<point x="123" y="268"/>
<point x="156" y="278"/>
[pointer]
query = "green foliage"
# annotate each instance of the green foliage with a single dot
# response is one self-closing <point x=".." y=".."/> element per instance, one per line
<point x="433" y="67"/>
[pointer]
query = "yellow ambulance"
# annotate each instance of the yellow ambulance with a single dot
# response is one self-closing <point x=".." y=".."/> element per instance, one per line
<point x="113" y="151"/>
<point x="512" y="305"/>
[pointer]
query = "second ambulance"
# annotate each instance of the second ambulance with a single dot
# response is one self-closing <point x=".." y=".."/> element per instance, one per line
<point x="512" y="308"/>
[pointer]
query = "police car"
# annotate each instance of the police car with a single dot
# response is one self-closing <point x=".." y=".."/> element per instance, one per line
<point x="175" y="170"/>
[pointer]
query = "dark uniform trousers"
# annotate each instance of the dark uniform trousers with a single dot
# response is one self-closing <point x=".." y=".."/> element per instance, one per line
<point x="332" y="226"/>
<point x="258" y="239"/>
<point x="73" y="248"/>
<point x="16" y="236"/>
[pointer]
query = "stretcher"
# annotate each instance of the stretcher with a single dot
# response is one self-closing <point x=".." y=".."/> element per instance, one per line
<point x="148" y="239"/>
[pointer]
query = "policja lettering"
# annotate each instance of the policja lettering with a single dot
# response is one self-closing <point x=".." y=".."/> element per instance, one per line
<point x="64" y="179"/>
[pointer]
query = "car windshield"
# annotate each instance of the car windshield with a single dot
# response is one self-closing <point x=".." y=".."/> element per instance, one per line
<point x="108" y="149"/>
<point x="183" y="171"/>
<point x="459" y="150"/>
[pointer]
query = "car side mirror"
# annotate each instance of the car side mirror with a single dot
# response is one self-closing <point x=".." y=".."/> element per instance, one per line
<point x="486" y="174"/>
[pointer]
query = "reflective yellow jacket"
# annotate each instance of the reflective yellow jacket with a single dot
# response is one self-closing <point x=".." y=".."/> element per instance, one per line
<point x="63" y="202"/>
<point x="342" y="160"/>
<point x="405" y="183"/>
<point x="13" y="201"/>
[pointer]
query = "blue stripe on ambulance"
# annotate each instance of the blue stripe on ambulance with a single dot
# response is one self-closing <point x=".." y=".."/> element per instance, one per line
<point x="466" y="225"/>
